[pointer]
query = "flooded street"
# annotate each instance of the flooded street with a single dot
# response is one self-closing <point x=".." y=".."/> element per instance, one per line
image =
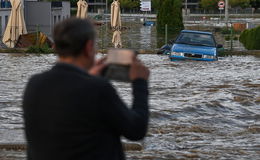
<point x="199" y="110"/>
<point x="136" y="36"/>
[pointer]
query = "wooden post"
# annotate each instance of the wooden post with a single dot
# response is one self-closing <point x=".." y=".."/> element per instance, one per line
<point x="166" y="33"/>
<point x="37" y="36"/>
<point x="231" y="45"/>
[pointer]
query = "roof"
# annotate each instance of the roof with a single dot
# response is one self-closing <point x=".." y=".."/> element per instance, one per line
<point x="199" y="32"/>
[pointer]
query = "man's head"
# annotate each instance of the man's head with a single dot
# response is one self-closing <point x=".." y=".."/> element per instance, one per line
<point x="75" y="40"/>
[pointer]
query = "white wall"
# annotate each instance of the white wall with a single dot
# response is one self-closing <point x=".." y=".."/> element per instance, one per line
<point x="4" y="14"/>
<point x="38" y="15"/>
<point x="66" y="10"/>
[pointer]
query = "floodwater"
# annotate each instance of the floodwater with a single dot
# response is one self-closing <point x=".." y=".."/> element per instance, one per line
<point x="199" y="110"/>
<point x="136" y="36"/>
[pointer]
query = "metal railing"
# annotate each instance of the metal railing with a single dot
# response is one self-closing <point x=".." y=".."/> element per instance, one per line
<point x="231" y="11"/>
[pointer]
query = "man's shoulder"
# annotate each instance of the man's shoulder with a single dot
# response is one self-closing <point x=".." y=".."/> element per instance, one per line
<point x="36" y="80"/>
<point x="39" y="76"/>
<point x="87" y="80"/>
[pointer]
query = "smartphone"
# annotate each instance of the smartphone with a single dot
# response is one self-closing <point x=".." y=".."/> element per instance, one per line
<point x="118" y="64"/>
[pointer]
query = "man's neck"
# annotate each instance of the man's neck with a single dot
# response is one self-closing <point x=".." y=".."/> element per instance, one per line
<point x="73" y="61"/>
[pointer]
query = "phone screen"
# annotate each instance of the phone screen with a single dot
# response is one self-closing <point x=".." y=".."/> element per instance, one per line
<point x="119" y="61"/>
<point x="120" y="56"/>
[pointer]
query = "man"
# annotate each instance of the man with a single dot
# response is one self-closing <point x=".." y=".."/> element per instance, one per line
<point x="72" y="114"/>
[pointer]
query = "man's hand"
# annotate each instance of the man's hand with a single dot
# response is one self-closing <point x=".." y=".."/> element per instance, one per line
<point x="98" y="67"/>
<point x="138" y="71"/>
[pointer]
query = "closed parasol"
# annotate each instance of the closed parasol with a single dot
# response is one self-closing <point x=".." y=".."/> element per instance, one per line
<point x="82" y="9"/>
<point x="16" y="24"/>
<point x="115" y="15"/>
<point x="116" y="23"/>
<point x="116" y="40"/>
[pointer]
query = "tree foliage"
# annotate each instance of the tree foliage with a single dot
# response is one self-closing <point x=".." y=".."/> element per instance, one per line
<point x="205" y="4"/>
<point x="213" y="4"/>
<point x="255" y="3"/>
<point x="239" y="3"/>
<point x="209" y="4"/>
<point x="170" y="13"/>
<point x="129" y="4"/>
<point x="156" y="4"/>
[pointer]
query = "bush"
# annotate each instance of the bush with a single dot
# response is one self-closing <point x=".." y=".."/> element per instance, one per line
<point x="73" y="12"/>
<point x="242" y="37"/>
<point x="227" y="38"/>
<point x="235" y="38"/>
<point x="228" y="31"/>
<point x="225" y="31"/>
<point x="251" y="38"/>
<point x="36" y="49"/>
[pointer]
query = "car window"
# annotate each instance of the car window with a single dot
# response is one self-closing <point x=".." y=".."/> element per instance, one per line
<point x="196" y="39"/>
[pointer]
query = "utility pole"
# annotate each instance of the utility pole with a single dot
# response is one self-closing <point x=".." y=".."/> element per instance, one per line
<point x="186" y="7"/>
<point x="106" y="7"/>
<point x="226" y="11"/>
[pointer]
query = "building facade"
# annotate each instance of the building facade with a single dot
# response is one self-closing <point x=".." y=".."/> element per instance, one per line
<point x="191" y="4"/>
<point x="5" y="10"/>
<point x="41" y="16"/>
<point x="96" y="5"/>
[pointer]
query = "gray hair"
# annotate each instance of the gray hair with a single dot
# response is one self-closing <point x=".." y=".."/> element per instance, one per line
<point x="71" y="36"/>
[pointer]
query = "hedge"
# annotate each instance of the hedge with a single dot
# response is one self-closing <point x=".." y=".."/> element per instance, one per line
<point x="251" y="38"/>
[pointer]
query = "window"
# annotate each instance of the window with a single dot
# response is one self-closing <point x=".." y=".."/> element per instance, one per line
<point x="196" y="39"/>
<point x="55" y="19"/>
<point x="0" y="25"/>
<point x="6" y="21"/>
<point x="59" y="18"/>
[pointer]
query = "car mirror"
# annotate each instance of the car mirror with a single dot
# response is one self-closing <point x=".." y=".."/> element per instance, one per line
<point x="219" y="46"/>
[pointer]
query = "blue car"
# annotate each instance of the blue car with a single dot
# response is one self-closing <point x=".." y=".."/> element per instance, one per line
<point x="195" y="45"/>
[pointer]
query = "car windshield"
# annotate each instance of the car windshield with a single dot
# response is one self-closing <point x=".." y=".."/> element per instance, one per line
<point x="196" y="39"/>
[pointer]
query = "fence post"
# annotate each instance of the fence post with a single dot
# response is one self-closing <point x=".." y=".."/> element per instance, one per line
<point x="166" y="33"/>
<point x="37" y="35"/>
<point x="231" y="31"/>
<point x="102" y="39"/>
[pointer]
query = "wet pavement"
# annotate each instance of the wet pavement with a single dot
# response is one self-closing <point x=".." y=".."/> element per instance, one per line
<point x="199" y="110"/>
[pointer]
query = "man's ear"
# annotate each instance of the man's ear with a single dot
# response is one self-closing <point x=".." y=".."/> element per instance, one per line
<point x="88" y="48"/>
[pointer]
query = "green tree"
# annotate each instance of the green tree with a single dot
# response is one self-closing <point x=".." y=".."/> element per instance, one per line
<point x="209" y="4"/>
<point x="255" y="3"/>
<point x="156" y="4"/>
<point x="129" y="4"/>
<point x="170" y="13"/>
<point x="239" y="3"/>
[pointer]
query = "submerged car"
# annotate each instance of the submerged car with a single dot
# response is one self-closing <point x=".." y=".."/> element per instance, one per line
<point x="195" y="45"/>
<point x="166" y="49"/>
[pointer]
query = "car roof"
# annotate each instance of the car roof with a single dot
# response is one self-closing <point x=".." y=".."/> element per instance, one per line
<point x="198" y="32"/>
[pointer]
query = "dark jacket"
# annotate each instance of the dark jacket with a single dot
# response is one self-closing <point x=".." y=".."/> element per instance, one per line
<point x="70" y="115"/>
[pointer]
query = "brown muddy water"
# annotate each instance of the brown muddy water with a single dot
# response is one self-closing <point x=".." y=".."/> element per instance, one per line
<point x="199" y="110"/>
